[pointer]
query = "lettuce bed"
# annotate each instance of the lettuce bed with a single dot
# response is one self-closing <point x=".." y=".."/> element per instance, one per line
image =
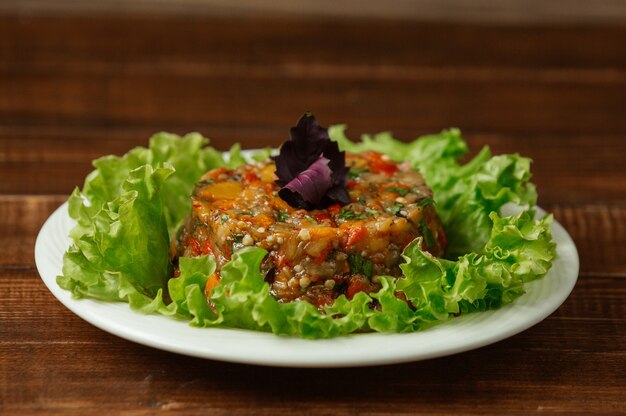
<point x="130" y="207"/>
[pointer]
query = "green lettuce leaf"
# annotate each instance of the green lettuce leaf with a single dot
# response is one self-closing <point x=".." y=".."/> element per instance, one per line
<point x="130" y="207"/>
<point x="120" y="253"/>
<point x="127" y="210"/>
<point x="519" y="250"/>
<point x="466" y="194"/>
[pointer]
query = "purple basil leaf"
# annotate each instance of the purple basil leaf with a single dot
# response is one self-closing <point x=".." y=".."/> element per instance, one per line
<point x="310" y="168"/>
<point x="313" y="183"/>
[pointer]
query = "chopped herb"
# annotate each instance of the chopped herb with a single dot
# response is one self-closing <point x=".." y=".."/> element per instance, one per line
<point x="205" y="182"/>
<point x="356" y="172"/>
<point x="395" y="208"/>
<point x="281" y="216"/>
<point x="359" y="265"/>
<point x="241" y="212"/>
<point x="428" y="235"/>
<point x="368" y="268"/>
<point x="425" y="201"/>
<point x="355" y="261"/>
<point x="362" y="199"/>
<point x="348" y="214"/>
<point x="399" y="190"/>
<point x="372" y="211"/>
<point x="225" y="218"/>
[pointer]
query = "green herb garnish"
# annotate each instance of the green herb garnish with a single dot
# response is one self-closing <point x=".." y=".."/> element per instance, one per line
<point x="395" y="208"/>
<point x="399" y="190"/>
<point x="425" y="201"/>
<point x="429" y="239"/>
<point x="348" y="214"/>
<point x="359" y="265"/>
<point x="281" y="216"/>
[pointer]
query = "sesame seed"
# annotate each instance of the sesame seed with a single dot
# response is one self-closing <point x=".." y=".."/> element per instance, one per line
<point x="305" y="282"/>
<point x="298" y="268"/>
<point x="329" y="284"/>
<point x="260" y="230"/>
<point x="401" y="200"/>
<point x="241" y="224"/>
<point x="280" y="239"/>
<point x="247" y="240"/>
<point x="404" y="213"/>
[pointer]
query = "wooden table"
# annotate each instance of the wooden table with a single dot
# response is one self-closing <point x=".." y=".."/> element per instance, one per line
<point x="75" y="86"/>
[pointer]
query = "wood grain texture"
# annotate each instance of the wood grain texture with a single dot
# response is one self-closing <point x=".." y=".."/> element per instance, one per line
<point x="191" y="72"/>
<point x="84" y="82"/>
<point x="507" y="11"/>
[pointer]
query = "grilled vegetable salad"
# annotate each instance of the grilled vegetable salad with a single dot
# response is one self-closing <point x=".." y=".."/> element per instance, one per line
<point x="131" y="207"/>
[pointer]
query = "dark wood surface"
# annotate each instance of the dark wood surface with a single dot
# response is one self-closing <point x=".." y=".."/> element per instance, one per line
<point x="76" y="86"/>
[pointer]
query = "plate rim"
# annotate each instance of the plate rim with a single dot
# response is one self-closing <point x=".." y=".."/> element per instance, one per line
<point x="90" y="310"/>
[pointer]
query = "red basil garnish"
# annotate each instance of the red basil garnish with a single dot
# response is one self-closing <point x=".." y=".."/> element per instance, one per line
<point x="311" y="170"/>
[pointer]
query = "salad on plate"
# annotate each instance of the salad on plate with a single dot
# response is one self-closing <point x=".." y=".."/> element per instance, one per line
<point x="323" y="238"/>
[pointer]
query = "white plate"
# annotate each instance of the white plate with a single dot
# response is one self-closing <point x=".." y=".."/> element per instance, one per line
<point x="467" y="332"/>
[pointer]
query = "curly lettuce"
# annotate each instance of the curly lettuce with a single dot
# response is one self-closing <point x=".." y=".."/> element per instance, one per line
<point x="130" y="207"/>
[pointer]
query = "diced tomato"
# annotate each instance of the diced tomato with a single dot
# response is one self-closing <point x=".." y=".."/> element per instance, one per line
<point x="356" y="234"/>
<point x="378" y="165"/>
<point x="354" y="286"/>
<point x="334" y="209"/>
<point x="208" y="248"/>
<point x="195" y="246"/>
<point x="251" y="177"/>
<point x="211" y="282"/>
<point x="323" y="298"/>
<point x="321" y="216"/>
<point x="351" y="184"/>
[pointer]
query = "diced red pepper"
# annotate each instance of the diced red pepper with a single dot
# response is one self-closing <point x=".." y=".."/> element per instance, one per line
<point x="195" y="246"/>
<point x="378" y="165"/>
<point x="323" y="298"/>
<point x="354" y="286"/>
<point x="356" y="234"/>
<point x="321" y="216"/>
<point x="208" y="248"/>
<point x="334" y="209"/>
<point x="251" y="177"/>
